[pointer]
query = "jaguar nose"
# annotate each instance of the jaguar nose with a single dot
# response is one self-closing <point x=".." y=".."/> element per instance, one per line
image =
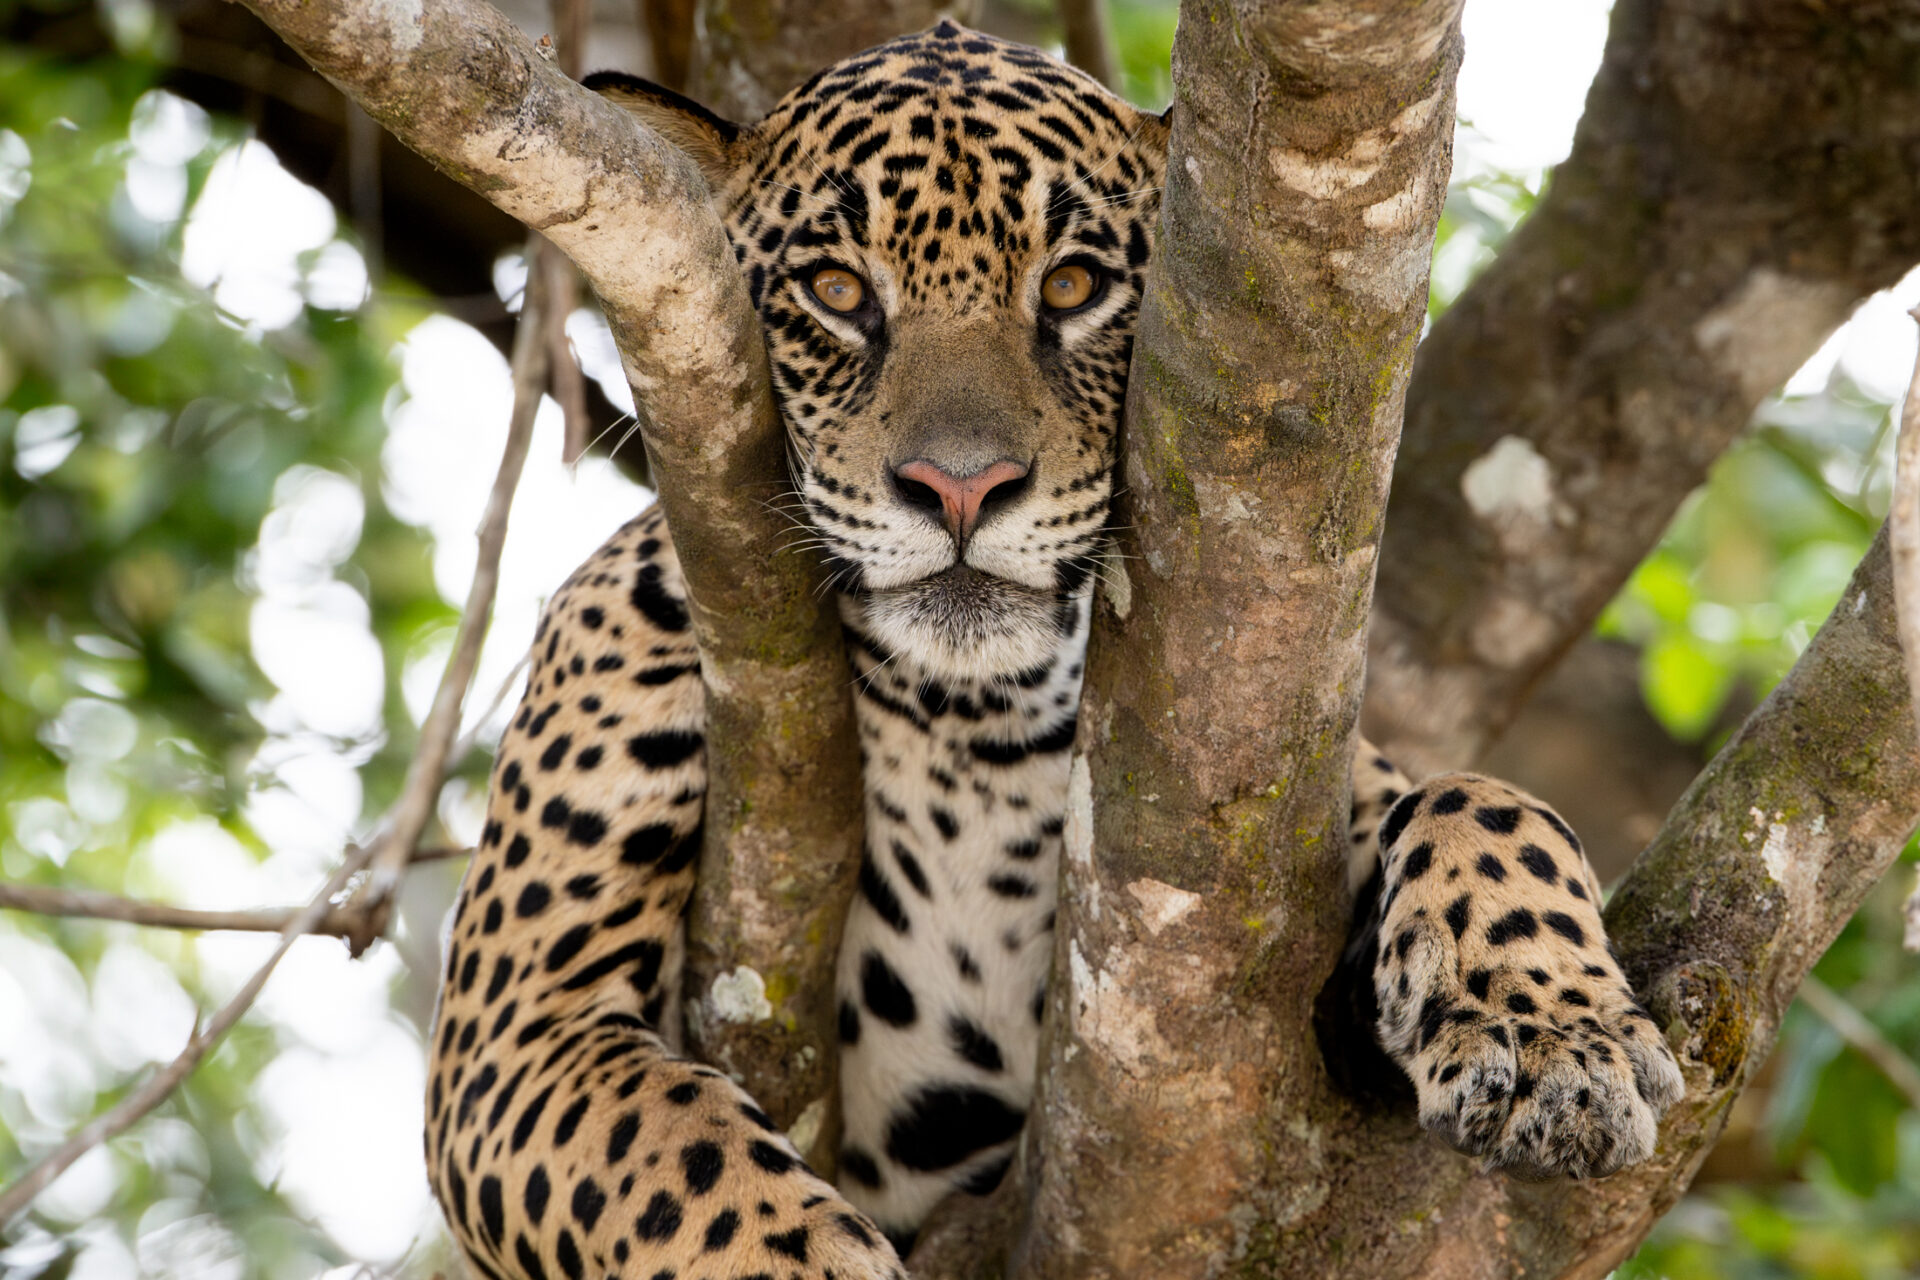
<point x="961" y="500"/>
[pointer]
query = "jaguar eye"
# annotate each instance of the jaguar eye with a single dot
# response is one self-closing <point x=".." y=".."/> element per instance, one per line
<point x="1068" y="287"/>
<point x="839" y="289"/>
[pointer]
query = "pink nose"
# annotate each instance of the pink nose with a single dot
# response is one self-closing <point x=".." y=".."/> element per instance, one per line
<point x="961" y="497"/>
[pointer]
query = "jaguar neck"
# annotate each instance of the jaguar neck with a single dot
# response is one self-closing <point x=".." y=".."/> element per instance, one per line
<point x="966" y="761"/>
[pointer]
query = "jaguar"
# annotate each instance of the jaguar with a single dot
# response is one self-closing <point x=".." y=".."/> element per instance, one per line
<point x="945" y="240"/>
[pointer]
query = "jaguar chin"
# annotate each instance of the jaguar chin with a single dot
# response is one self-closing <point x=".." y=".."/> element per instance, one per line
<point x="970" y="625"/>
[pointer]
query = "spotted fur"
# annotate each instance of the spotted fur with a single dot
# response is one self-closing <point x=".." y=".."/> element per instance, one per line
<point x="1495" y="988"/>
<point x="949" y="173"/>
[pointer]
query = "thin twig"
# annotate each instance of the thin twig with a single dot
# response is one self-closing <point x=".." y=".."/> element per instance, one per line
<point x="411" y="814"/>
<point x="364" y="197"/>
<point x="156" y="1087"/>
<point x="570" y="21"/>
<point x="1903" y="533"/>
<point x="1853" y="1027"/>
<point x="569" y="384"/>
<point x="1911" y="940"/>
<point x="471" y="737"/>
<point x="92" y="904"/>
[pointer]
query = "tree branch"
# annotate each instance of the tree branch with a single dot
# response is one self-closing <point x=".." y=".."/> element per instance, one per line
<point x="157" y="1087"/>
<point x="459" y="84"/>
<point x="363" y="917"/>
<point x="91" y="904"/>
<point x="1089" y="40"/>
<point x="1742" y="175"/>
<point x="1770" y="852"/>
<point x="373" y="902"/>
<point x="1903" y="525"/>
<point x="1202" y="902"/>
<point x="1863" y="1037"/>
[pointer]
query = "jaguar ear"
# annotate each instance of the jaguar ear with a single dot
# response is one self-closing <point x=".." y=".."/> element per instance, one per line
<point x="1155" y="131"/>
<point x="716" y="145"/>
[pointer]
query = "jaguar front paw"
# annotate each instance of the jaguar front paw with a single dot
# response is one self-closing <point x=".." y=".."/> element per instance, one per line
<point x="1542" y="1096"/>
<point x="1498" y="995"/>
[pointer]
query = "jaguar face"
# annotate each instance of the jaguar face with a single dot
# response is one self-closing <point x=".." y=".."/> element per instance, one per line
<point x="945" y="238"/>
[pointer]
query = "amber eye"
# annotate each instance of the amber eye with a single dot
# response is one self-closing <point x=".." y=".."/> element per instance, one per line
<point x="840" y="290"/>
<point x="1068" y="287"/>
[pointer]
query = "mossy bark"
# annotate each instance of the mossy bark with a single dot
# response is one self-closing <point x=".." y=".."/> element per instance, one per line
<point x="1179" y="1131"/>
<point x="1765" y="858"/>
<point x="1744" y="173"/>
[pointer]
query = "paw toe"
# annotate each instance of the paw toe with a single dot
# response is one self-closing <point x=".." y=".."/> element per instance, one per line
<point x="1656" y="1076"/>
<point x="1468" y="1094"/>
<point x="1577" y="1117"/>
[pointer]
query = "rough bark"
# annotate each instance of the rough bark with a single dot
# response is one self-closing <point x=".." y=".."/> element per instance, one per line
<point x="1746" y="170"/>
<point x="748" y="53"/>
<point x="1201" y="904"/>
<point x="455" y="81"/>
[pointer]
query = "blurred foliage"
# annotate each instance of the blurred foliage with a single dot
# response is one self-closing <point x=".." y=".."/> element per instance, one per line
<point x="150" y="441"/>
<point x="146" y="438"/>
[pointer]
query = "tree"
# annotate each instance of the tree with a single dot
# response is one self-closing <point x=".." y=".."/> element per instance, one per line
<point x="1308" y="171"/>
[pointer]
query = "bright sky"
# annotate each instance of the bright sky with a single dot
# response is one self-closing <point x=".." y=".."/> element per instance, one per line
<point x="340" y="1108"/>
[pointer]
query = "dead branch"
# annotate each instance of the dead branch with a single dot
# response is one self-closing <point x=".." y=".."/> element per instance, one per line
<point x="363" y="917"/>
<point x="94" y="905"/>
<point x="421" y="791"/>
<point x="569" y="384"/>
<point x="1742" y="176"/>
<point x="157" y="1087"/>
<point x="1202" y="900"/>
<point x="91" y="904"/>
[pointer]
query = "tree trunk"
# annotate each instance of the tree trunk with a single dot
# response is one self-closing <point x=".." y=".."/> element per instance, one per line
<point x="1745" y="172"/>
<point x="1203" y="901"/>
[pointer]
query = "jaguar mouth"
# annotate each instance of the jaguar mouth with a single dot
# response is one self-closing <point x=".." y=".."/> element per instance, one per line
<point x="963" y="621"/>
<point x="965" y="599"/>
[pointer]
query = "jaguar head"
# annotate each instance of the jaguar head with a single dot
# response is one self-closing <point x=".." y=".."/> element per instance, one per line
<point x="945" y="237"/>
